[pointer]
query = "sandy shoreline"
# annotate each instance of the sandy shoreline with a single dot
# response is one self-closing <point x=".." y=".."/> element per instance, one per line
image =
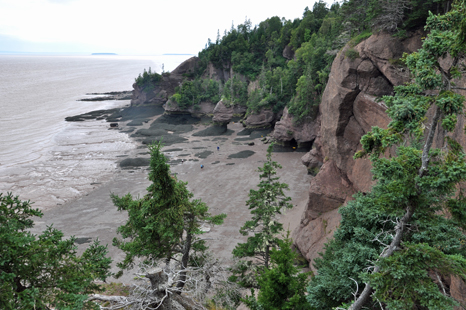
<point x="223" y="184"/>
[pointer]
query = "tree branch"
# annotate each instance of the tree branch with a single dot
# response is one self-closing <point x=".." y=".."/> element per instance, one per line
<point x="429" y="141"/>
<point x="401" y="225"/>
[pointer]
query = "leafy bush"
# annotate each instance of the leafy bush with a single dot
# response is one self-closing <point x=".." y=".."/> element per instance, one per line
<point x="192" y="93"/>
<point x="44" y="271"/>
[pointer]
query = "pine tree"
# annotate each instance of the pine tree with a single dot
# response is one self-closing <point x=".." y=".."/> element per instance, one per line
<point x="283" y="286"/>
<point x="44" y="271"/>
<point x="165" y="222"/>
<point x="265" y="204"/>
<point x="397" y="244"/>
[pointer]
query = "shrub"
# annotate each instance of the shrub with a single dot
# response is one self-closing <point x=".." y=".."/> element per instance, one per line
<point x="352" y="54"/>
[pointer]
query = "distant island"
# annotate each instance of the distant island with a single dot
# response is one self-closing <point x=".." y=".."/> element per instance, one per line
<point x="174" y="54"/>
<point x="104" y="54"/>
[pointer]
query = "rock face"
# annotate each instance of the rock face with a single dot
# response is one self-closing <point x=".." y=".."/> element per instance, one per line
<point x="217" y="74"/>
<point x="288" y="52"/>
<point x="159" y="94"/>
<point x="286" y="131"/>
<point x="348" y="110"/>
<point x="204" y="108"/>
<point x="265" y="118"/>
<point x="223" y="113"/>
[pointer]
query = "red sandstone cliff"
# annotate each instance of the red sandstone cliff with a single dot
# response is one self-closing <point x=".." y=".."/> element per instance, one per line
<point x="348" y="110"/>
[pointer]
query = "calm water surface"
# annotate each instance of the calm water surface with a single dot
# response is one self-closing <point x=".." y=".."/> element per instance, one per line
<point x="44" y="158"/>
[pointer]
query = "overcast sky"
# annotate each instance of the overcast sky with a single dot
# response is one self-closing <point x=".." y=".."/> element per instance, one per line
<point x="133" y="27"/>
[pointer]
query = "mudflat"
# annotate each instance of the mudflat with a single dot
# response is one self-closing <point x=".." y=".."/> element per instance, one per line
<point x="223" y="184"/>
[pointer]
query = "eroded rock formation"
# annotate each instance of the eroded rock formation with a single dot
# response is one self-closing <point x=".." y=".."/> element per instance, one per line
<point x="163" y="90"/>
<point x="303" y="134"/>
<point x="204" y="108"/>
<point x="348" y="110"/>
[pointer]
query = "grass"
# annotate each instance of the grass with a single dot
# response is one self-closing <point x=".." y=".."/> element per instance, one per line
<point x="352" y="54"/>
<point x="359" y="38"/>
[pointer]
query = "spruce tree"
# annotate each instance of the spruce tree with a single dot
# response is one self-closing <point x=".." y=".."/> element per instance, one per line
<point x="283" y="286"/>
<point x="266" y="205"/>
<point x="44" y="271"/>
<point x="165" y="222"/>
<point x="397" y="244"/>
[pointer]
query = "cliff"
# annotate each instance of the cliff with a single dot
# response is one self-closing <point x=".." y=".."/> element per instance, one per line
<point x="158" y="93"/>
<point x="348" y="110"/>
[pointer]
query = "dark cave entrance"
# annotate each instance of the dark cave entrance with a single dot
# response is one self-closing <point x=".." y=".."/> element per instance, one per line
<point x="293" y="146"/>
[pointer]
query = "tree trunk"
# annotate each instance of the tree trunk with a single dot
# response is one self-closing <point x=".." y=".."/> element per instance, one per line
<point x="400" y="227"/>
<point x="185" y="260"/>
<point x="267" y="254"/>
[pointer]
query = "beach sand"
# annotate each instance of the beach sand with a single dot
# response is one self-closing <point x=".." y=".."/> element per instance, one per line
<point x="223" y="184"/>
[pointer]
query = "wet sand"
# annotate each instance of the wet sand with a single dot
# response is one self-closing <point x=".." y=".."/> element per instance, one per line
<point x="223" y="184"/>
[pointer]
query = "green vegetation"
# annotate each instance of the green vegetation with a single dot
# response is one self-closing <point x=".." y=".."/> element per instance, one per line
<point x="396" y="244"/>
<point x="165" y="222"/>
<point x="235" y="92"/>
<point x="265" y="204"/>
<point x="352" y="53"/>
<point x="192" y="93"/>
<point x="44" y="271"/>
<point x="282" y="286"/>
<point x="257" y="53"/>
<point x="148" y="78"/>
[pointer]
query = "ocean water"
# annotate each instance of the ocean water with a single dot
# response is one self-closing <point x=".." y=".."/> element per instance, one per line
<point x="43" y="158"/>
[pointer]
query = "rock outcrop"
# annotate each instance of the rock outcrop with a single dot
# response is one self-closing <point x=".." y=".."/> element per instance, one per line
<point x="224" y="113"/>
<point x="288" y="52"/>
<point x="348" y="110"/>
<point x="265" y="118"/>
<point x="160" y="92"/>
<point x="301" y="135"/>
<point x="213" y="73"/>
<point x="204" y="108"/>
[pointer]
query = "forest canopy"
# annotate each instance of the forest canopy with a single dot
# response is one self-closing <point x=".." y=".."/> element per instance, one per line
<point x="289" y="60"/>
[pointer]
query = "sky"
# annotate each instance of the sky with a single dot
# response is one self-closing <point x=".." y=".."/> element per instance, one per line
<point x="135" y="27"/>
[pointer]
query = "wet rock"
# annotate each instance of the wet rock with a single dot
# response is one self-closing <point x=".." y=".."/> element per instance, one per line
<point x="242" y="154"/>
<point x="134" y="162"/>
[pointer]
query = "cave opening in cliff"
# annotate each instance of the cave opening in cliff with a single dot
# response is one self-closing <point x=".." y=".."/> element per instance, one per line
<point x="293" y="144"/>
<point x="301" y="146"/>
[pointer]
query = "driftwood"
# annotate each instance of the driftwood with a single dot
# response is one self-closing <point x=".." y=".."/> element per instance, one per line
<point x="157" y="288"/>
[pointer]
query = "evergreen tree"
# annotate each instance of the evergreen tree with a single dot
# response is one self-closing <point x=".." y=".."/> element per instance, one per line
<point x="44" y="271"/>
<point x="265" y="204"/>
<point x="281" y="287"/>
<point x="410" y="226"/>
<point x="165" y="222"/>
